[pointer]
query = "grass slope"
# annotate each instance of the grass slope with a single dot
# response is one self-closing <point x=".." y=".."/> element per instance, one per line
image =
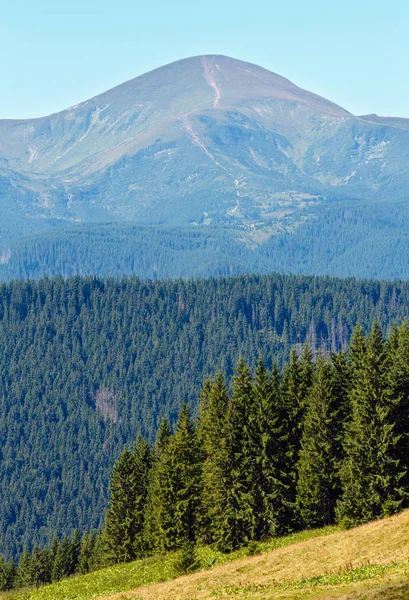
<point x="371" y="561"/>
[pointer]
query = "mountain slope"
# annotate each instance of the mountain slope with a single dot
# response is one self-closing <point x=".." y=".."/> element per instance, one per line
<point x="369" y="562"/>
<point x="142" y="348"/>
<point x="205" y="140"/>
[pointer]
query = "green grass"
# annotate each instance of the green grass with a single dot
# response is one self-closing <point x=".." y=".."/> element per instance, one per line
<point x="120" y="578"/>
<point x="343" y="577"/>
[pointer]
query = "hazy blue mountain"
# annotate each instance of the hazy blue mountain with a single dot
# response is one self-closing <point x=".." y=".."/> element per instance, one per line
<point x="205" y="141"/>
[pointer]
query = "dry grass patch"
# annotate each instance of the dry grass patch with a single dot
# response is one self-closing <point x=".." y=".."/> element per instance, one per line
<point x="274" y="573"/>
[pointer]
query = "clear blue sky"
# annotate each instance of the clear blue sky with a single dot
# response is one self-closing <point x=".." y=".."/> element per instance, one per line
<point x="57" y="53"/>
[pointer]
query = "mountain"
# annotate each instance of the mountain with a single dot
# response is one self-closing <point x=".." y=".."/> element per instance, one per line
<point x="208" y="141"/>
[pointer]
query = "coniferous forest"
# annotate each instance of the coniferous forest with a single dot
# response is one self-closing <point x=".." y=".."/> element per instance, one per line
<point x="88" y="364"/>
<point x="323" y="440"/>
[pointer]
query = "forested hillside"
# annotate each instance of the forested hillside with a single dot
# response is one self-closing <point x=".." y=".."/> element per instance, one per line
<point x="320" y="442"/>
<point x="345" y="238"/>
<point x="87" y="363"/>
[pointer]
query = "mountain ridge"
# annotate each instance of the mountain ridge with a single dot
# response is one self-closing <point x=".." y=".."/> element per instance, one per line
<point x="207" y="140"/>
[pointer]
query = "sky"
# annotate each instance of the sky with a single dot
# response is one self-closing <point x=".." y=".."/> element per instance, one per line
<point x="55" y="54"/>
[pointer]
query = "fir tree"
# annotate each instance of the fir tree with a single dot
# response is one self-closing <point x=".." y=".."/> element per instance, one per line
<point x="370" y="475"/>
<point x="23" y="576"/>
<point x="398" y="381"/>
<point x="7" y="575"/>
<point x="238" y="521"/>
<point x="179" y="475"/>
<point x="317" y="484"/>
<point x="63" y="560"/>
<point x="153" y="535"/>
<point x="214" y="403"/>
<point x="125" y="516"/>
<point x="267" y="446"/>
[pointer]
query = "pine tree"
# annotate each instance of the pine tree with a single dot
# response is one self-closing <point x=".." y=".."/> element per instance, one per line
<point x="7" y="575"/>
<point x="370" y="475"/>
<point x="267" y="447"/>
<point x="213" y="407"/>
<point x="398" y="381"/>
<point x="237" y="523"/>
<point x="63" y="560"/>
<point x="75" y="551"/>
<point x="153" y="535"/>
<point x="179" y="475"/>
<point x="40" y="567"/>
<point x="23" y="577"/>
<point x="317" y="483"/>
<point x="124" y="523"/>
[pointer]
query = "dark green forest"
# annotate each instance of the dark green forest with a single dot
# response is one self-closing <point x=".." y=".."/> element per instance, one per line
<point x="345" y="238"/>
<point x="324" y="440"/>
<point x="86" y="364"/>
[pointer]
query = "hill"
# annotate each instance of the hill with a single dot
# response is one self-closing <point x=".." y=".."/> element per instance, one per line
<point x="370" y="561"/>
<point x="206" y="142"/>
<point x="87" y="363"/>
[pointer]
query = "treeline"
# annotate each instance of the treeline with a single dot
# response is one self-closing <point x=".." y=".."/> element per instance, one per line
<point x="320" y="442"/>
<point x="86" y="363"/>
<point x="324" y="440"/>
<point x="326" y="241"/>
<point x="65" y="557"/>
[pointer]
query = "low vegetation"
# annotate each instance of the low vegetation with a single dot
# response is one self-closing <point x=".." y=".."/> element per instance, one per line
<point x="370" y="561"/>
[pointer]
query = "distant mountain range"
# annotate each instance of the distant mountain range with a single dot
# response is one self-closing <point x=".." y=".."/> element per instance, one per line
<point x="214" y="146"/>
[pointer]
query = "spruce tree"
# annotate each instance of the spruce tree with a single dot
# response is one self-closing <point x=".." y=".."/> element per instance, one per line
<point x="237" y="523"/>
<point x="179" y="476"/>
<point x="85" y="553"/>
<point x="75" y="551"/>
<point x="398" y="381"/>
<point x="124" y="523"/>
<point x="213" y="407"/>
<point x="153" y="536"/>
<point x="294" y="388"/>
<point x="317" y="482"/>
<point x="53" y="550"/>
<point x="98" y="552"/>
<point x="63" y="560"/>
<point x="40" y="567"/>
<point x="370" y="475"/>
<point x="267" y="446"/>
<point x="23" y="577"/>
<point x="7" y="575"/>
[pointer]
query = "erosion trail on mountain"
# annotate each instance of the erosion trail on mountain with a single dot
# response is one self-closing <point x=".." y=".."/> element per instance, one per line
<point x="209" y="76"/>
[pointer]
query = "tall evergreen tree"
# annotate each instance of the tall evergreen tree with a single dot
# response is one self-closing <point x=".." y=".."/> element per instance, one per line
<point x="75" y="551"/>
<point x="370" y="475"/>
<point x="7" y="575"/>
<point x="153" y="536"/>
<point x="398" y="380"/>
<point x="179" y="477"/>
<point x="238" y="520"/>
<point x="124" y="524"/>
<point x="23" y="576"/>
<point x="267" y="445"/>
<point x="213" y="408"/>
<point x="317" y="482"/>
<point x="62" y="566"/>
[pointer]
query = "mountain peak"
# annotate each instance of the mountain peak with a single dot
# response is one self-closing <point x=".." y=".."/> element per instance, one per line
<point x="229" y="81"/>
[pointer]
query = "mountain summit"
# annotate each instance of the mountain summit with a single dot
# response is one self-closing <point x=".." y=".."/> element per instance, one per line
<point x="207" y="140"/>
